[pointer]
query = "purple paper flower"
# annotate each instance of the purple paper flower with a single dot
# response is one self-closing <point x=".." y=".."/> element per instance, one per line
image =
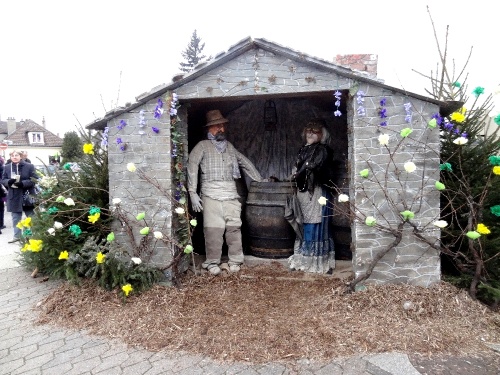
<point x="383" y="112"/>
<point x="409" y="113"/>
<point x="383" y="123"/>
<point x="383" y="101"/>
<point x="156" y="130"/>
<point x="118" y="141"/>
<point x="338" y="96"/>
<point x="464" y="134"/>
<point x="159" y="109"/>
<point x="122" y="147"/>
<point x="122" y="125"/>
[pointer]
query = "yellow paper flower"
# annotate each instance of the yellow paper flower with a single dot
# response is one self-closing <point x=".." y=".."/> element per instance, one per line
<point x="25" y="247"/>
<point x="93" y="218"/>
<point x="63" y="255"/>
<point x="496" y="169"/>
<point x="88" y="148"/>
<point x="483" y="229"/>
<point x="127" y="288"/>
<point x="100" y="257"/>
<point x="19" y="225"/>
<point x="27" y="222"/>
<point x="459" y="116"/>
<point x="35" y="245"/>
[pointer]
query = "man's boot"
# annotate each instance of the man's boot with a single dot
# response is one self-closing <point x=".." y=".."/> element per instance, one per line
<point x="214" y="239"/>
<point x="235" y="248"/>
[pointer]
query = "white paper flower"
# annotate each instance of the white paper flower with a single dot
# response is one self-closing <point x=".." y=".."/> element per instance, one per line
<point x="58" y="225"/>
<point x="51" y="231"/>
<point x="179" y="210"/>
<point x="69" y="202"/>
<point x="460" y="141"/>
<point x="410" y="166"/>
<point x="136" y="260"/>
<point x="117" y="201"/>
<point x="383" y="139"/>
<point x="131" y="167"/>
<point x="440" y="223"/>
<point x="158" y="235"/>
<point x="322" y="201"/>
<point x="343" y="198"/>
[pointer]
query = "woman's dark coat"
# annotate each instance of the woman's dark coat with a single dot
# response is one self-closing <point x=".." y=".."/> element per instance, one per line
<point x="15" y="196"/>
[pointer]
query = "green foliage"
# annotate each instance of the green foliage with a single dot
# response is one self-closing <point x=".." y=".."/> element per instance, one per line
<point x="192" y="54"/>
<point x="71" y="147"/>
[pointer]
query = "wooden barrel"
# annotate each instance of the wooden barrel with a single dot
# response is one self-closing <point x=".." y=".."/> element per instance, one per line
<point x="269" y="233"/>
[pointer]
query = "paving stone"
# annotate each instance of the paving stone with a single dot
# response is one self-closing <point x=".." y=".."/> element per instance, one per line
<point x="34" y="363"/>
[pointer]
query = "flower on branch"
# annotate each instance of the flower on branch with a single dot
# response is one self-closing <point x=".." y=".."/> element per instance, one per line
<point x="88" y="148"/>
<point x="140" y="216"/>
<point x="131" y="167"/>
<point x="179" y="210"/>
<point x="51" y="231"/>
<point x="496" y="170"/>
<point x="158" y="235"/>
<point x="445" y="167"/>
<point x="144" y="231"/>
<point x="63" y="255"/>
<point x="322" y="201"/>
<point x="193" y="222"/>
<point x="116" y="201"/>
<point x="370" y="221"/>
<point x="136" y="260"/>
<point x="473" y="235"/>
<point x="75" y="230"/>
<point x="439" y="185"/>
<point x="495" y="210"/>
<point x="383" y="139"/>
<point x="410" y="167"/>
<point x="93" y="218"/>
<point x="406" y="132"/>
<point x="483" y="229"/>
<point x="478" y="91"/>
<point x="407" y="215"/>
<point x="100" y="257"/>
<point x="127" y="288"/>
<point x="69" y="202"/>
<point x="188" y="249"/>
<point x="497" y="120"/>
<point x="58" y="225"/>
<point x="110" y="237"/>
<point x="343" y="198"/>
<point x="364" y="173"/>
<point x="460" y="141"/>
<point x="440" y="223"/>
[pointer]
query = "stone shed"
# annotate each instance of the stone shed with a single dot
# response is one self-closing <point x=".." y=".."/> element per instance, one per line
<point x="269" y="92"/>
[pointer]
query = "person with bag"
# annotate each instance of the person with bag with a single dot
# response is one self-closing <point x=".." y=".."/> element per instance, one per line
<point x="3" y="194"/>
<point x="313" y="174"/>
<point x="18" y="177"/>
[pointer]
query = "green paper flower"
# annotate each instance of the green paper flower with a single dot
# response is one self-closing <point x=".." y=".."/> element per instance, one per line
<point x="495" y="210"/>
<point x="497" y="120"/>
<point x="144" y="231"/>
<point x="110" y="237"/>
<point x="364" y="173"/>
<point x="439" y="185"/>
<point x="406" y="132"/>
<point x="445" y="167"/>
<point x="432" y="123"/>
<point x="182" y="200"/>
<point x="457" y="84"/>
<point x="370" y="221"/>
<point x="407" y="215"/>
<point x="478" y="91"/>
<point x="494" y="160"/>
<point x="60" y="199"/>
<point x="140" y="216"/>
<point x="75" y="230"/>
<point x="94" y="210"/>
<point x="52" y="210"/>
<point x="193" y="222"/>
<point x="473" y="235"/>
<point x="188" y="249"/>
<point x="27" y="232"/>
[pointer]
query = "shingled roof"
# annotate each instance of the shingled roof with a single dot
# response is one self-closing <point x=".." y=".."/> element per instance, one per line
<point x="20" y="136"/>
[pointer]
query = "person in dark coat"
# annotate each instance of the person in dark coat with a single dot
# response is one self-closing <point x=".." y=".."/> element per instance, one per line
<point x="18" y="177"/>
<point x="3" y="194"/>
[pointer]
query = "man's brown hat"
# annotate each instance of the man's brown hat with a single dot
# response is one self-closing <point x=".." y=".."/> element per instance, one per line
<point x="214" y="117"/>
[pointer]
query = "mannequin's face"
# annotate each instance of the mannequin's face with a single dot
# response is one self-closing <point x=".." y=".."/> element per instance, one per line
<point x="313" y="135"/>
<point x="218" y="131"/>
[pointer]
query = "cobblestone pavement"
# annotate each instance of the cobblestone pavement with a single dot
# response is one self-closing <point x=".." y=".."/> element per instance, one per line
<point x="29" y="349"/>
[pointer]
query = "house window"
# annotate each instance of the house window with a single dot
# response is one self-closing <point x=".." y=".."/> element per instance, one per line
<point x="35" y="137"/>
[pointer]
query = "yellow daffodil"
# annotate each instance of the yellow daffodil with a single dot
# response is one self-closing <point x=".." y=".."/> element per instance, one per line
<point x="63" y="255"/>
<point x="100" y="257"/>
<point x="93" y="218"/>
<point x="88" y="148"/>
<point x="483" y="229"/>
<point x="127" y="288"/>
<point x="496" y="169"/>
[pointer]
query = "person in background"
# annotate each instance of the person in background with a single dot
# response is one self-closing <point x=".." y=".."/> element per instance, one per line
<point x="24" y="156"/>
<point x="18" y="177"/>
<point x="313" y="175"/>
<point x="3" y="194"/>
<point x="220" y="165"/>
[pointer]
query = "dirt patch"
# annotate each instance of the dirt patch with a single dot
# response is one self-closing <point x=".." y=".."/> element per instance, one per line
<point x="267" y="313"/>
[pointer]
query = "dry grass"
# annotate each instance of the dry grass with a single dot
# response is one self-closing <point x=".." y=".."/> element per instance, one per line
<point x="266" y="313"/>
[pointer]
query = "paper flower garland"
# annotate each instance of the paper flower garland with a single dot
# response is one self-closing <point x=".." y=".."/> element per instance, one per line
<point x="338" y="96"/>
<point x="382" y="112"/>
<point x="360" y="99"/>
<point x="409" y="113"/>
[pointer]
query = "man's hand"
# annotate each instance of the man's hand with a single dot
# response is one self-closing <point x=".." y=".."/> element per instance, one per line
<point x="196" y="202"/>
<point x="11" y="182"/>
<point x="18" y="184"/>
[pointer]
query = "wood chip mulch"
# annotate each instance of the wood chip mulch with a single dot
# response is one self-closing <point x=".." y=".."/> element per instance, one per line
<point x="267" y="313"/>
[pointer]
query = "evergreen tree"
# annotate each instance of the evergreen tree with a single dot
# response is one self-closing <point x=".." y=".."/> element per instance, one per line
<point x="193" y="53"/>
<point x="72" y="147"/>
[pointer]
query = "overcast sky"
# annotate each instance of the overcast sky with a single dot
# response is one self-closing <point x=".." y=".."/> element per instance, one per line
<point x="70" y="61"/>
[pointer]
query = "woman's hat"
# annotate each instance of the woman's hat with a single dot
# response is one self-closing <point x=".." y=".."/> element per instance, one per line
<point x="214" y="117"/>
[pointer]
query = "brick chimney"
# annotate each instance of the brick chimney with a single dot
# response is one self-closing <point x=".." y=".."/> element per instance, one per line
<point x="11" y="125"/>
<point x="363" y="63"/>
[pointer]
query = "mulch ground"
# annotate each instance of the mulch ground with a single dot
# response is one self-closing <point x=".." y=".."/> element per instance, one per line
<point x="267" y="313"/>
